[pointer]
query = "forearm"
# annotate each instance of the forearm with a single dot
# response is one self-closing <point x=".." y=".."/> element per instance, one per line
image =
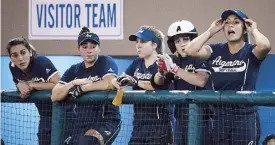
<point x="192" y="78"/>
<point x="196" y="44"/>
<point x="41" y="85"/>
<point x="59" y="92"/>
<point x="97" y="86"/>
<point x="159" y="79"/>
<point x="261" y="41"/>
<point x="146" y="85"/>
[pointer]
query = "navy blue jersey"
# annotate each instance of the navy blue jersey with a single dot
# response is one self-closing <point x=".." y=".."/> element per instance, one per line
<point x="189" y="64"/>
<point x="234" y="71"/>
<point x="104" y="66"/>
<point x="192" y="65"/>
<point x="40" y="69"/>
<point x="142" y="112"/>
<point x="139" y="71"/>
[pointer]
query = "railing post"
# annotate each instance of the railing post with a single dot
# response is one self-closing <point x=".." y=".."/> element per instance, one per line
<point x="58" y="122"/>
<point x="194" y="126"/>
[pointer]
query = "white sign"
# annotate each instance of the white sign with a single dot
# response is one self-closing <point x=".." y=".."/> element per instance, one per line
<point x="63" y="19"/>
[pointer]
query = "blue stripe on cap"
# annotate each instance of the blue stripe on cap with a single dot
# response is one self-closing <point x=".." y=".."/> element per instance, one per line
<point x="145" y="35"/>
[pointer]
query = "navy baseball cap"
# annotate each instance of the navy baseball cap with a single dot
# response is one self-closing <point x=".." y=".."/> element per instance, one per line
<point x="89" y="36"/>
<point x="238" y="13"/>
<point x="145" y="35"/>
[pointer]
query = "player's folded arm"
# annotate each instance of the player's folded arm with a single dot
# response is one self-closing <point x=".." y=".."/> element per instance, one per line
<point x="46" y="85"/>
<point x="60" y="91"/>
<point x="104" y="84"/>
<point x="164" y="85"/>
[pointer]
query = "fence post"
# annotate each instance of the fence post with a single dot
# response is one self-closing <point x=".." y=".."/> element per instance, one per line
<point x="194" y="126"/>
<point x="58" y="115"/>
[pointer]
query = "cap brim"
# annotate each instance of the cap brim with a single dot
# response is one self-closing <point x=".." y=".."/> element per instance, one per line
<point x="238" y="13"/>
<point x="89" y="40"/>
<point x="227" y="13"/>
<point x="132" y="37"/>
<point x="189" y="34"/>
<point x="140" y="36"/>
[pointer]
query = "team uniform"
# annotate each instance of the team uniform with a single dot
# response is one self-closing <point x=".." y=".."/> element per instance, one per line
<point x="192" y="65"/>
<point x="103" y="117"/>
<point x="151" y="123"/>
<point x="41" y="69"/>
<point x="233" y="124"/>
<point x="179" y="34"/>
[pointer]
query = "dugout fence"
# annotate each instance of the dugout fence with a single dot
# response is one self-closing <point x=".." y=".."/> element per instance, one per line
<point x="16" y="121"/>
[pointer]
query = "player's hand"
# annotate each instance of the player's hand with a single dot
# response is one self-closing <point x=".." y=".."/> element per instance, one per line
<point x="250" y="25"/>
<point x="126" y="80"/>
<point x="117" y="84"/>
<point x="216" y="26"/>
<point x="31" y="84"/>
<point x="24" y="89"/>
<point x="84" y="81"/>
<point x="162" y="68"/>
<point x="170" y="65"/>
<point x="76" y="91"/>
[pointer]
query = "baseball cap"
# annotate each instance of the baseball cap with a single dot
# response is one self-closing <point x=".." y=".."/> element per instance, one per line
<point x="238" y="13"/>
<point x="89" y="36"/>
<point x="145" y="35"/>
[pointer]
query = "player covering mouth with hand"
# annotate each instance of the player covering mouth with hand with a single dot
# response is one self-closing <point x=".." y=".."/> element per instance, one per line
<point x="184" y="72"/>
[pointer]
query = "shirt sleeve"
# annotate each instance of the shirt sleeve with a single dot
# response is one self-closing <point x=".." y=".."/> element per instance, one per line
<point x="68" y="75"/>
<point x="47" y="67"/>
<point x="214" y="49"/>
<point x="110" y="67"/>
<point x="131" y="68"/>
<point x="203" y="66"/>
<point x="253" y="58"/>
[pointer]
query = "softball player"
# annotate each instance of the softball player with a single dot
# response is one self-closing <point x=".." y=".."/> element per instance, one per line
<point x="31" y="72"/>
<point x="152" y="124"/>
<point x="187" y="73"/>
<point x="235" y="66"/>
<point x="89" y="123"/>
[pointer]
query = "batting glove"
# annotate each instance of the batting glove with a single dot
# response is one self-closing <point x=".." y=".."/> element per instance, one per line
<point x="126" y="80"/>
<point x="76" y="91"/>
<point x="168" y="64"/>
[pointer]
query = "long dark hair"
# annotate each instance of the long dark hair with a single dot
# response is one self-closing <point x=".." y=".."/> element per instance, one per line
<point x="20" y="41"/>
